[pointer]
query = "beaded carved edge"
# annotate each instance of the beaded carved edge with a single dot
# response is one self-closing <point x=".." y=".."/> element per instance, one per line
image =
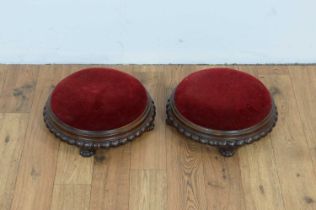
<point x="93" y="143"/>
<point x="220" y="138"/>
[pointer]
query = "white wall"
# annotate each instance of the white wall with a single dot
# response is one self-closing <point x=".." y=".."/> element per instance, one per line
<point x="161" y="31"/>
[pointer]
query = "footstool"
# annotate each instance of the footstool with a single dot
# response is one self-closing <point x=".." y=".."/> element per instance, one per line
<point x="99" y="108"/>
<point x="222" y="107"/>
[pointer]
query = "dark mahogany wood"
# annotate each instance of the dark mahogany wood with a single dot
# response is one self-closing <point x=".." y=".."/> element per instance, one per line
<point x="226" y="141"/>
<point x="90" y="141"/>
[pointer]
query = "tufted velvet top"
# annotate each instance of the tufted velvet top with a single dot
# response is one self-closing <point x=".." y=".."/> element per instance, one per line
<point x="98" y="99"/>
<point x="222" y="99"/>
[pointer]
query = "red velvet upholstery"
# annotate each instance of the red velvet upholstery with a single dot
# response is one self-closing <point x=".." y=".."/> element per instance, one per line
<point x="223" y="99"/>
<point x="98" y="99"/>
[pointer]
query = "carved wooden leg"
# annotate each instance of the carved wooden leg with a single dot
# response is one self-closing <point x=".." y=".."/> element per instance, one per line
<point x="227" y="151"/>
<point x="87" y="152"/>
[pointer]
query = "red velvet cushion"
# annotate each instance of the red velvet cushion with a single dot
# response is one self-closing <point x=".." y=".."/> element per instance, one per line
<point x="98" y="99"/>
<point x="223" y="99"/>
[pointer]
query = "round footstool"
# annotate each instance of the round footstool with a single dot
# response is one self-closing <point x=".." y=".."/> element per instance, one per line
<point x="222" y="107"/>
<point x="99" y="108"/>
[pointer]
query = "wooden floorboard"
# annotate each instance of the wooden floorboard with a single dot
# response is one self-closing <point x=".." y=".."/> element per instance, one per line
<point x="161" y="170"/>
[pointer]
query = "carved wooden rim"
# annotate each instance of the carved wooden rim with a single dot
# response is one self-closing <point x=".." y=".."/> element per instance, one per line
<point x="91" y="140"/>
<point x="220" y="138"/>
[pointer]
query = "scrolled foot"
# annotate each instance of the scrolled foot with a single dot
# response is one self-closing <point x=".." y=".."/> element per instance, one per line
<point x="227" y="152"/>
<point x="84" y="152"/>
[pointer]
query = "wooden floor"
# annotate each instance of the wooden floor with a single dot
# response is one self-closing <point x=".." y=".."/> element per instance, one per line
<point x="161" y="170"/>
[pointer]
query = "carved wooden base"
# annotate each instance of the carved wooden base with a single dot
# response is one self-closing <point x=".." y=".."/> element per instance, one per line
<point x="90" y="141"/>
<point x="226" y="141"/>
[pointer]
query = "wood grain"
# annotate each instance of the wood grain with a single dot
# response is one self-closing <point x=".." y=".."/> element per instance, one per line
<point x="71" y="196"/>
<point x="39" y="158"/>
<point x="223" y="181"/>
<point x="304" y="86"/>
<point x="71" y="167"/>
<point x="261" y="186"/>
<point x="148" y="190"/>
<point x="161" y="169"/>
<point x="18" y="88"/>
<point x="111" y="179"/>
<point x="290" y="149"/>
<point x="12" y="131"/>
<point x="185" y="174"/>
